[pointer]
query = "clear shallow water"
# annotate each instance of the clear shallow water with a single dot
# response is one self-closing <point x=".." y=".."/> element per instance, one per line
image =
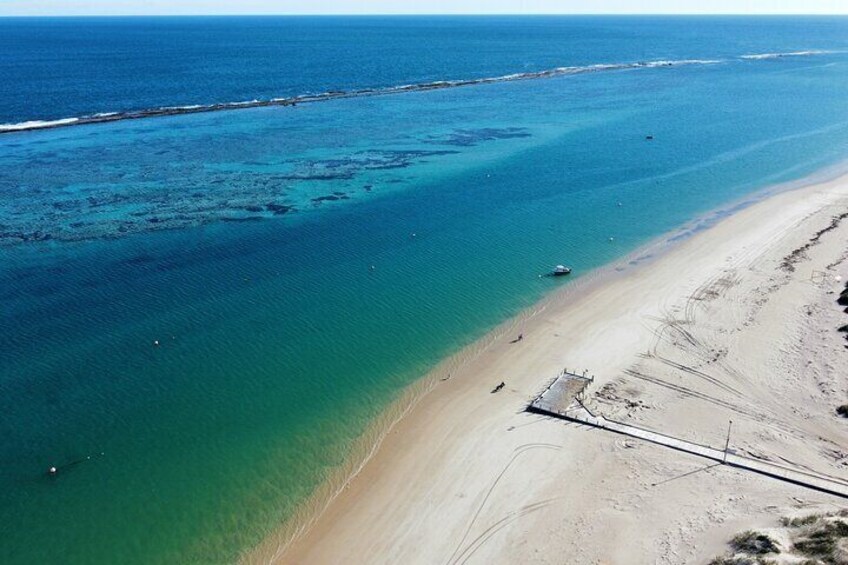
<point x="278" y="342"/>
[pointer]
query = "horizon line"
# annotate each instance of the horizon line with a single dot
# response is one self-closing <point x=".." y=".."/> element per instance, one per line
<point x="419" y="14"/>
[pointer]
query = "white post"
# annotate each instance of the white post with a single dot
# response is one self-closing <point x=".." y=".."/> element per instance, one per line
<point x="727" y="443"/>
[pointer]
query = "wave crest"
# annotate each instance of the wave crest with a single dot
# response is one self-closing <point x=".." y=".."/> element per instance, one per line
<point x="765" y="56"/>
<point x="419" y="87"/>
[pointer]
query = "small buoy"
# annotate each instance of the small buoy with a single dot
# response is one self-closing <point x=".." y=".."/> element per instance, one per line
<point x="612" y="239"/>
<point x="156" y="343"/>
<point x="413" y="234"/>
<point x="373" y="267"/>
<point x="619" y="204"/>
<point x="53" y="470"/>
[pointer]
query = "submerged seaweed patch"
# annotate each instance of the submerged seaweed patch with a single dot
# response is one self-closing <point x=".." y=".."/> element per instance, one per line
<point x="108" y="192"/>
<point x="278" y="209"/>
<point x="112" y="196"/>
<point x="193" y="196"/>
<point x="472" y="137"/>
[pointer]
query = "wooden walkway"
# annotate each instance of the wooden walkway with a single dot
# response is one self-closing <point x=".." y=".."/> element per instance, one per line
<point x="553" y="402"/>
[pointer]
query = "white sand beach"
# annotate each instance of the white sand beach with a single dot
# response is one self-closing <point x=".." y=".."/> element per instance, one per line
<point x="720" y="327"/>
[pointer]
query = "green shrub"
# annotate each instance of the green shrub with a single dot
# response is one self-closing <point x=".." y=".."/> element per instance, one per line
<point x="822" y="542"/>
<point x="740" y="560"/>
<point x="798" y="522"/>
<point x="754" y="543"/>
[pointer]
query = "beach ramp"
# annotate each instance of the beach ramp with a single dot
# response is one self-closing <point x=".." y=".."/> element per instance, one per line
<point x="562" y="394"/>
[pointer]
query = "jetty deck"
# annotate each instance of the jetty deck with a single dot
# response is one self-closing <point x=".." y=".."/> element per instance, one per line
<point x="562" y="399"/>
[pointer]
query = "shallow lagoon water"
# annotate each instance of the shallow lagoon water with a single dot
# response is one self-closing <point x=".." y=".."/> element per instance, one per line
<point x="278" y="343"/>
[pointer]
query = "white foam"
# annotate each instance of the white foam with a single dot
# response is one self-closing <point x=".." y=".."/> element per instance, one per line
<point x="179" y="108"/>
<point x="37" y="124"/>
<point x="763" y="56"/>
<point x="438" y="84"/>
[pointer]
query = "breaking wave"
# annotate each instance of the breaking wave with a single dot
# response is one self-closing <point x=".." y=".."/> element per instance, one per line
<point x="332" y="95"/>
<point x="764" y="56"/>
<point x="42" y="124"/>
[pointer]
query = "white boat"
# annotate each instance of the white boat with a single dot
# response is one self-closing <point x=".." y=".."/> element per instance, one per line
<point x="561" y="270"/>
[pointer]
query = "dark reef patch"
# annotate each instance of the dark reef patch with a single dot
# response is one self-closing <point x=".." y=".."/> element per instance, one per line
<point x="473" y="137"/>
<point x="331" y="197"/>
<point x="278" y="209"/>
<point x="110" y="192"/>
<point x="240" y="220"/>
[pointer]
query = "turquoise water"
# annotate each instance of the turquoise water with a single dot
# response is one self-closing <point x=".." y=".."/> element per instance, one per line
<point x="243" y="242"/>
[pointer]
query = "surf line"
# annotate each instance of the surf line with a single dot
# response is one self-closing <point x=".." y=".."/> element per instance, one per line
<point x="104" y="117"/>
<point x="337" y="94"/>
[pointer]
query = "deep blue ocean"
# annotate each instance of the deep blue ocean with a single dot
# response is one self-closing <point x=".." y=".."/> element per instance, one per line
<point x="202" y="312"/>
<point x="55" y="68"/>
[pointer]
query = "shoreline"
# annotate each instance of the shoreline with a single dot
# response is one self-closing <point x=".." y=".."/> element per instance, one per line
<point x="403" y="414"/>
